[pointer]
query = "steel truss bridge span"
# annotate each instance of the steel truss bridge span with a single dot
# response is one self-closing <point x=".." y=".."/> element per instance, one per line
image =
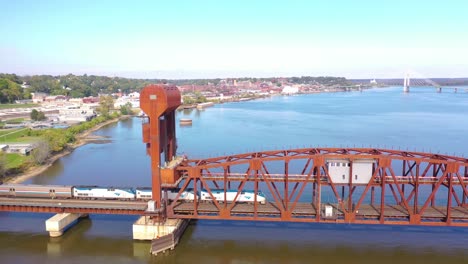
<point x="340" y="185"/>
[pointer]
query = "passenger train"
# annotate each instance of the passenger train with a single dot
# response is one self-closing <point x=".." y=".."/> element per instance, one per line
<point x="96" y="192"/>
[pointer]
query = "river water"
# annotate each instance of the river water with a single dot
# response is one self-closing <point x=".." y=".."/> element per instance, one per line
<point x="422" y="120"/>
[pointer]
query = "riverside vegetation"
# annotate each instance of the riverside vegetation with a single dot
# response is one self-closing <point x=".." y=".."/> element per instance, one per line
<point x="54" y="142"/>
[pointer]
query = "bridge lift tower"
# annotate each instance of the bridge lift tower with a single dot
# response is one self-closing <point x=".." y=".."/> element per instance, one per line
<point x="159" y="101"/>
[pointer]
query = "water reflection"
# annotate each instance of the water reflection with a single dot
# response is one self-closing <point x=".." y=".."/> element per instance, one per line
<point x="126" y="123"/>
<point x="54" y="171"/>
<point x="302" y="243"/>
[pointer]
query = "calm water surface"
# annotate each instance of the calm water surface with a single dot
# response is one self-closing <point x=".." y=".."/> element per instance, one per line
<point x="421" y="120"/>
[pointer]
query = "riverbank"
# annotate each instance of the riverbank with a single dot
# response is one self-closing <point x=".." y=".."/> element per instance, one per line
<point x="81" y="139"/>
<point x="228" y="99"/>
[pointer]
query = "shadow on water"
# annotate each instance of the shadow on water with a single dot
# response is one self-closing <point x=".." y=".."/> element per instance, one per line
<point x="77" y="244"/>
<point x="247" y="242"/>
<point x="242" y="242"/>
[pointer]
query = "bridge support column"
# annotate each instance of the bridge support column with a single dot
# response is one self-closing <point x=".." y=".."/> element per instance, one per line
<point x="439" y="89"/>
<point x="59" y="223"/>
<point x="349" y="217"/>
<point x="146" y="228"/>
<point x="163" y="236"/>
<point x="415" y="219"/>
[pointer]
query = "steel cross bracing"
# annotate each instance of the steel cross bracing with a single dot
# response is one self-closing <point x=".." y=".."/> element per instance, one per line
<point x="405" y="187"/>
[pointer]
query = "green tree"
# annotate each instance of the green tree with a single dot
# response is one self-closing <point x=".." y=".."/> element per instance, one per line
<point x="188" y="100"/>
<point x="199" y="98"/>
<point x="41" y="152"/>
<point x="106" y="104"/>
<point x="37" y="115"/>
<point x="56" y="139"/>
<point x="10" y="91"/>
<point x="126" y="109"/>
<point x="34" y="114"/>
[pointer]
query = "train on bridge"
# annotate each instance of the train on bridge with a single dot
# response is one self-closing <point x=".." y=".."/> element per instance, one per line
<point x="112" y="193"/>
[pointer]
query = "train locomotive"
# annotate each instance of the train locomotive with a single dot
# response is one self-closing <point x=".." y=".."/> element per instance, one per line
<point x="111" y="193"/>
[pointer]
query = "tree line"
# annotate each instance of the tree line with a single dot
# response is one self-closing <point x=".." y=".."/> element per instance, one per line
<point x="76" y="86"/>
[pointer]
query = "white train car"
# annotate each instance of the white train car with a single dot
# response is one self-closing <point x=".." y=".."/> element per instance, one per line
<point x="147" y="194"/>
<point x="247" y="196"/>
<point x="95" y="192"/>
<point x="36" y="191"/>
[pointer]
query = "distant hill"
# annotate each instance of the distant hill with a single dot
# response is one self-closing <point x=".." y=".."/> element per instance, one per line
<point x="416" y="81"/>
<point x="15" y="87"/>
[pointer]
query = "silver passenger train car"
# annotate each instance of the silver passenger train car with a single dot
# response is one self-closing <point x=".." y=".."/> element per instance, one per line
<point x="38" y="191"/>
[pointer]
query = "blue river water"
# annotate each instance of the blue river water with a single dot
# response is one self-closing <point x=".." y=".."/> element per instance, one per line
<point x="421" y="120"/>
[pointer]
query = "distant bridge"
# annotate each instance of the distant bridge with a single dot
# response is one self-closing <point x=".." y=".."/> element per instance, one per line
<point x="443" y="82"/>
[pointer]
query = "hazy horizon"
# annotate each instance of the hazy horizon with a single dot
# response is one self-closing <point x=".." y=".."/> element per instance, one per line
<point x="214" y="39"/>
<point x="230" y="77"/>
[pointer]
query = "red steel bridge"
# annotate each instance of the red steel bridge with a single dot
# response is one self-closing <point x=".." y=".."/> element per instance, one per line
<point x="331" y="185"/>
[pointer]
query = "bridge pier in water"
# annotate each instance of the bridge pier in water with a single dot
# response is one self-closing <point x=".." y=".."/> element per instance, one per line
<point x="163" y="235"/>
<point x="59" y="223"/>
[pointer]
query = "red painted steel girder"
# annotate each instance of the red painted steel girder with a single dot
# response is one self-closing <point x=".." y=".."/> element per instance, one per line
<point x="328" y="152"/>
<point x="287" y="189"/>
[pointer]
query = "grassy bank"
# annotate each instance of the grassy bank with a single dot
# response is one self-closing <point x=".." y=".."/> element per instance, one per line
<point x="56" y="143"/>
<point x="10" y="106"/>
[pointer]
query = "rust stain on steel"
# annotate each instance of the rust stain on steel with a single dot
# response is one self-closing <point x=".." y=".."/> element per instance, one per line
<point x="159" y="101"/>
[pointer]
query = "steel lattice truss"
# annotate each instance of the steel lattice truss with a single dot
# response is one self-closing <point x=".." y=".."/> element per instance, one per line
<point x="405" y="187"/>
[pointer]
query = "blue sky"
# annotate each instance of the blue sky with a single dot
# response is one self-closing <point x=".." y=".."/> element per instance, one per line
<point x="201" y="39"/>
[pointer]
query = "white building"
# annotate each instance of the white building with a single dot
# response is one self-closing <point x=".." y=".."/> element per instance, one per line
<point x="76" y="114"/>
<point x="38" y="97"/>
<point x="290" y="90"/>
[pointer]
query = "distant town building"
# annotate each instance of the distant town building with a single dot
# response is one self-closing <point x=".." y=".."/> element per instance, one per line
<point x="38" y="97"/>
<point x="56" y="98"/>
<point x="290" y="90"/>
<point x="135" y="95"/>
<point x="76" y="114"/>
<point x="24" y="149"/>
<point x="24" y="101"/>
<point x="132" y="98"/>
<point x="25" y="85"/>
<point x="90" y="100"/>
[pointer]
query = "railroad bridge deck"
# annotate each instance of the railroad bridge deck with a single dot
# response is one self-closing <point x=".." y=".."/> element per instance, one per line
<point x="307" y="212"/>
<point x="41" y="205"/>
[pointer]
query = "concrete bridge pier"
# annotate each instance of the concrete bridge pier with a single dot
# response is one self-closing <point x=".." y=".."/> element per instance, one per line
<point x="163" y="235"/>
<point x="439" y="89"/>
<point x="59" y="223"/>
<point x="455" y="90"/>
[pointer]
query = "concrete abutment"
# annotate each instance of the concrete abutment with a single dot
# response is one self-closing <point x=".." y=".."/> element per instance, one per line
<point x="163" y="236"/>
<point x="59" y="223"/>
